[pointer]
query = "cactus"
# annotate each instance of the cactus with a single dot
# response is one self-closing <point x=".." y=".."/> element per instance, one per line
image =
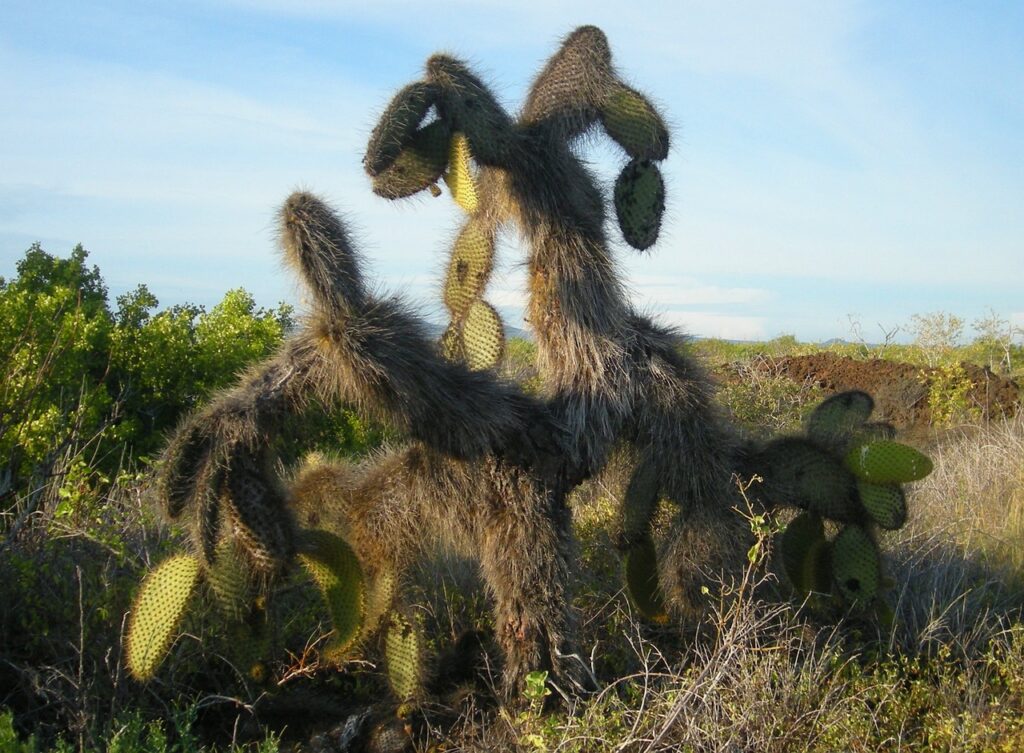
<point x="230" y="581"/>
<point x="333" y="566"/>
<point x="887" y="462"/>
<point x="158" y="611"/>
<point x="634" y="124"/>
<point x="806" y="555"/>
<point x="886" y="504"/>
<point x="404" y="652"/>
<point x="639" y="203"/>
<point x="483" y="467"/>
<point x="641" y="568"/>
<point x="856" y="564"/>
<point x="469" y="269"/>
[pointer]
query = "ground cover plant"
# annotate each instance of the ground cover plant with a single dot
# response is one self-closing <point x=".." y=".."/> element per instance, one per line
<point x="747" y="626"/>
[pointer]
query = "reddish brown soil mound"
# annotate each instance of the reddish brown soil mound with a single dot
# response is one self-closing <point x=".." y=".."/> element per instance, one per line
<point x="900" y="389"/>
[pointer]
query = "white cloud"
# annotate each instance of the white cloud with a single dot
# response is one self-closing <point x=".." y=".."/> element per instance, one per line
<point x="712" y="324"/>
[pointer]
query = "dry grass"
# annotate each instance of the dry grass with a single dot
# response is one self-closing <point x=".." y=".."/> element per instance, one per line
<point x="771" y="675"/>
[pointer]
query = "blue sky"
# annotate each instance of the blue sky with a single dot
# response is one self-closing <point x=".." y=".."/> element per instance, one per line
<point x="830" y="159"/>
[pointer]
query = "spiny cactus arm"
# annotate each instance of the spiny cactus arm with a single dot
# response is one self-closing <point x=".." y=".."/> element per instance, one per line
<point x="579" y="87"/>
<point x="374" y="353"/>
<point x="215" y="455"/>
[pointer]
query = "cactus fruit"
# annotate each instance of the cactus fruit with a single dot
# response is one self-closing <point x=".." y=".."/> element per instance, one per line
<point x="459" y="178"/>
<point x="634" y="124"/>
<point x="800" y="473"/>
<point x="334" y="568"/>
<point x="397" y="125"/>
<point x="856" y="564"/>
<point x="641" y="565"/>
<point x="639" y="203"/>
<point x="885" y="503"/>
<point x="419" y="165"/>
<point x="887" y="462"/>
<point x="404" y="652"/>
<point x="806" y="555"/>
<point x="469" y="269"/>
<point x="158" y="611"/>
<point x="839" y="417"/>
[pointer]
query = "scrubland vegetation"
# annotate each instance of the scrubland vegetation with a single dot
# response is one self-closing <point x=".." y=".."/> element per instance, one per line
<point x="89" y="389"/>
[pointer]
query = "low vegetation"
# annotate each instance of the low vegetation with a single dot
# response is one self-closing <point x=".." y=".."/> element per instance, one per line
<point x="89" y="391"/>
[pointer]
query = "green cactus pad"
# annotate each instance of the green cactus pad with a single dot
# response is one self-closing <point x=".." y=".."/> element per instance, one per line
<point x="459" y="178"/>
<point x="380" y="594"/>
<point x="634" y="124"/>
<point x="419" y="166"/>
<point x="885" y="503"/>
<point x="641" y="566"/>
<point x="157" y="613"/>
<point x="639" y="203"/>
<point x="639" y="504"/>
<point x="229" y="581"/>
<point x="483" y="336"/>
<point x="805" y="554"/>
<point x="397" y="125"/>
<point x="838" y="417"/>
<point x="469" y="269"/>
<point x="887" y="462"/>
<point x="798" y="472"/>
<point x="404" y="651"/>
<point x="471" y="108"/>
<point x="333" y="566"/>
<point x="856" y="564"/>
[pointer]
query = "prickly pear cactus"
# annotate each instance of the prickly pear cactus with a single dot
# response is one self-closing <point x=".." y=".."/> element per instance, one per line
<point x="158" y="611"/>
<point x="333" y="566"/>
<point x="848" y="471"/>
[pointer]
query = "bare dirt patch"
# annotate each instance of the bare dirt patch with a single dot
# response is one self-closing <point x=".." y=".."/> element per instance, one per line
<point x="900" y="389"/>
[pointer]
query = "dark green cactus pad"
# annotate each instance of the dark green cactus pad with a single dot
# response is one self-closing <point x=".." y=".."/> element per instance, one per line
<point x="483" y="336"/>
<point x="631" y="120"/>
<point x="397" y="125"/>
<point x="639" y="203"/>
<point x="641" y="566"/>
<point x="798" y="472"/>
<point x="806" y="555"/>
<point x="835" y="420"/>
<point x="333" y="566"/>
<point x="469" y="269"/>
<point x="419" y="165"/>
<point x="887" y="462"/>
<point x="885" y="503"/>
<point x="405" y="653"/>
<point x="856" y="564"/>
<point x="230" y="581"/>
<point x="259" y="520"/>
<point x="157" y="613"/>
<point x="470" y="107"/>
<point x="639" y="504"/>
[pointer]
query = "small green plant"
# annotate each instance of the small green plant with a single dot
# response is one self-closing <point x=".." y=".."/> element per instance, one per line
<point x="949" y="395"/>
